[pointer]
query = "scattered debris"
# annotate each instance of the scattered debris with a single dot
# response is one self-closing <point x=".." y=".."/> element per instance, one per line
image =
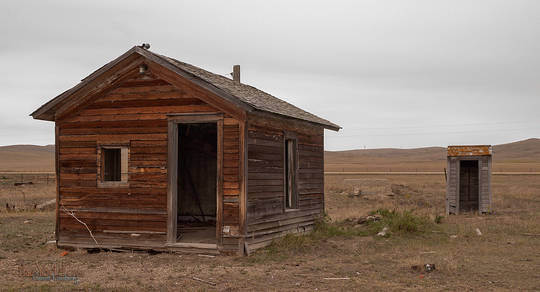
<point x="46" y="204"/>
<point x="355" y="192"/>
<point x="23" y="183"/>
<point x="206" y="256"/>
<point x="9" y="207"/>
<point x="201" y="280"/>
<point x="383" y="232"/>
<point x="429" y="268"/>
<point x="530" y="234"/>
<point x="478" y="232"/>
<point x="369" y="218"/>
<point x="72" y="214"/>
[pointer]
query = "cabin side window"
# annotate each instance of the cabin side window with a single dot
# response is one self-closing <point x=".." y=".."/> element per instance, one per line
<point x="113" y="166"/>
<point x="291" y="162"/>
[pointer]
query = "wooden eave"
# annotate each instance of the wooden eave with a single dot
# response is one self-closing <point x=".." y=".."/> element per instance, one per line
<point x="469" y="150"/>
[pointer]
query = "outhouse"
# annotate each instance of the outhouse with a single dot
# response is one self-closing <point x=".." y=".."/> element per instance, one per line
<point x="468" y="179"/>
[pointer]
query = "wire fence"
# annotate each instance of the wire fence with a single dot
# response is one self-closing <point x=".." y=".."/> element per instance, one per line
<point x="27" y="178"/>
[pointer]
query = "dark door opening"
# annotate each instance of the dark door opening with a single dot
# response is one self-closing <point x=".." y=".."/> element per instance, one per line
<point x="197" y="175"/>
<point x="468" y="185"/>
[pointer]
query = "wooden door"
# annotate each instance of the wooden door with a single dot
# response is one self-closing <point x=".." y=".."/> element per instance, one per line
<point x="468" y="185"/>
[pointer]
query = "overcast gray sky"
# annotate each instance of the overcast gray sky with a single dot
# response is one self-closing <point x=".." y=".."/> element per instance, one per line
<point x="391" y="73"/>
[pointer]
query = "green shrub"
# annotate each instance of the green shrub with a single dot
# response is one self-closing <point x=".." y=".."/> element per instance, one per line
<point x="322" y="229"/>
<point x="399" y="221"/>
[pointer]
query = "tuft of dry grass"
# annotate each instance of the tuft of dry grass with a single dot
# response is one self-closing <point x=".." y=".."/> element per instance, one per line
<point x="38" y="188"/>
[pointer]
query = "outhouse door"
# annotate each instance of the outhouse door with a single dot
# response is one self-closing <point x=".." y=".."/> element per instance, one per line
<point x="468" y="185"/>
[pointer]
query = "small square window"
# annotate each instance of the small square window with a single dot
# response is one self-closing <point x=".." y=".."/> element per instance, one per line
<point x="113" y="166"/>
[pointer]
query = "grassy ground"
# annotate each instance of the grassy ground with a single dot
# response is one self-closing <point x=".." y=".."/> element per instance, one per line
<point x="339" y="255"/>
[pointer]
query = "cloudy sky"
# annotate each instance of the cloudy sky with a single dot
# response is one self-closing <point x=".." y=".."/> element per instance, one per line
<point x="391" y="73"/>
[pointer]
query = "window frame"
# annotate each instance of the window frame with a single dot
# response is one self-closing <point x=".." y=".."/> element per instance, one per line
<point x="289" y="136"/>
<point x="124" y="166"/>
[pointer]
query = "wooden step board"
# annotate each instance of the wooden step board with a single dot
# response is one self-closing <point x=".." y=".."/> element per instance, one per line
<point x="180" y="247"/>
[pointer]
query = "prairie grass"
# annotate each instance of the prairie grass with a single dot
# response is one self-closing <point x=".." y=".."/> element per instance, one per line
<point x="38" y="188"/>
<point x="504" y="257"/>
<point x="400" y="222"/>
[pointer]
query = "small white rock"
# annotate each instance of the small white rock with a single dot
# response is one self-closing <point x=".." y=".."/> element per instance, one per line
<point x="383" y="232"/>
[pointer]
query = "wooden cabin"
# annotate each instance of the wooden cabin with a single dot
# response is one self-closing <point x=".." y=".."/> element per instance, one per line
<point x="468" y="186"/>
<point x="154" y="153"/>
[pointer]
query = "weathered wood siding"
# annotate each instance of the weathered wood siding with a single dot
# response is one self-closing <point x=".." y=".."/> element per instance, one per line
<point x="134" y="114"/>
<point x="452" y="184"/>
<point x="231" y="185"/>
<point x="266" y="216"/>
<point x="484" y="164"/>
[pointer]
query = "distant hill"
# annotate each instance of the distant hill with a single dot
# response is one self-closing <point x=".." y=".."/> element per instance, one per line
<point x="518" y="156"/>
<point x="27" y="158"/>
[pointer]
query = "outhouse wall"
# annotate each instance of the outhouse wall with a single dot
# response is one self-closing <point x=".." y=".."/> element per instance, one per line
<point x="453" y="183"/>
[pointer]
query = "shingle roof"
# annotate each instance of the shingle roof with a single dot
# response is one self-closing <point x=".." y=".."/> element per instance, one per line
<point x="245" y="94"/>
<point x="257" y="98"/>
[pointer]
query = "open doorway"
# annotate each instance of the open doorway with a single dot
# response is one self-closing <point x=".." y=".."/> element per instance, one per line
<point x="197" y="176"/>
<point x="468" y="185"/>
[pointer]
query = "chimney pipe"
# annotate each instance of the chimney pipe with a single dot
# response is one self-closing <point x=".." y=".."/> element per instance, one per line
<point x="236" y="73"/>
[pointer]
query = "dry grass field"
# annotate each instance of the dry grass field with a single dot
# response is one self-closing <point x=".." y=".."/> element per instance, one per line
<point x="512" y="157"/>
<point x="339" y="255"/>
<point x="27" y="158"/>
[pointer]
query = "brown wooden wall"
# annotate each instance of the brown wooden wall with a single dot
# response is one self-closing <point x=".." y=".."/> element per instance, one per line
<point x="231" y="184"/>
<point x="266" y="216"/>
<point x="134" y="113"/>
